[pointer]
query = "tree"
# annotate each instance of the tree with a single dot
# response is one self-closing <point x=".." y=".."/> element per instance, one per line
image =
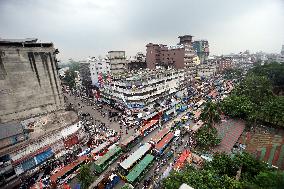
<point x="71" y="74"/>
<point x="274" y="72"/>
<point x="221" y="172"/>
<point x="269" y="179"/>
<point x="85" y="176"/>
<point x="254" y="100"/>
<point x="211" y="113"/>
<point x="250" y="166"/>
<point x="207" y="137"/>
<point x="272" y="111"/>
<point x="69" y="79"/>
<point x="223" y="165"/>
<point x="238" y="106"/>
<point x="257" y="88"/>
<point x="232" y="73"/>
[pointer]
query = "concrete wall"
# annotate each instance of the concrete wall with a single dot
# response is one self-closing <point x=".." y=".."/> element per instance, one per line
<point x="117" y="61"/>
<point x="30" y="83"/>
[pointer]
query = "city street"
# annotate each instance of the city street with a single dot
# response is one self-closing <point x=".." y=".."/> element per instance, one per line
<point x="97" y="115"/>
<point x="115" y="125"/>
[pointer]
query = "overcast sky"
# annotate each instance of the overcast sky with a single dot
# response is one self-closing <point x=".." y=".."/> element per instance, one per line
<point x="82" y="28"/>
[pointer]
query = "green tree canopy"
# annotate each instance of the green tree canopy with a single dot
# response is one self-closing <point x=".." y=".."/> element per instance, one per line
<point x="253" y="99"/>
<point x="207" y="137"/>
<point x="238" y="106"/>
<point x="221" y="173"/>
<point x="210" y="113"/>
<point x="273" y="71"/>
<point x="85" y="176"/>
<point x="70" y="74"/>
<point x="257" y="88"/>
<point x="232" y="73"/>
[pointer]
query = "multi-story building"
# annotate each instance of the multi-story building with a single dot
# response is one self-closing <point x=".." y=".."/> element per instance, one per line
<point x="145" y="89"/>
<point x="33" y="126"/>
<point x="202" y="49"/>
<point x="117" y="61"/>
<point x="29" y="82"/>
<point x="98" y="66"/>
<point x="281" y="56"/>
<point x="206" y="70"/>
<point x="46" y="136"/>
<point x="224" y="63"/>
<point x="85" y="74"/>
<point x="179" y="56"/>
<point x="137" y="62"/>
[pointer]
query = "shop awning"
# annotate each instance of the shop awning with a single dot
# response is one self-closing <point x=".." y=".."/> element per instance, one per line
<point x="148" y="125"/>
<point x="43" y="156"/>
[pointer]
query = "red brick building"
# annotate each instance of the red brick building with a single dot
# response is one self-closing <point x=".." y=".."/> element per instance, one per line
<point x="179" y="56"/>
<point x="224" y="63"/>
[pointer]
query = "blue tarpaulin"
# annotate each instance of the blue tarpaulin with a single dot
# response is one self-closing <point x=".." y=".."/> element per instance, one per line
<point x="28" y="164"/>
<point x="43" y="156"/>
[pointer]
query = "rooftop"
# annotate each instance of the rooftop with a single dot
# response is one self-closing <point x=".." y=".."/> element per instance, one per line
<point x="10" y="129"/>
<point x="28" y="42"/>
<point x="39" y="126"/>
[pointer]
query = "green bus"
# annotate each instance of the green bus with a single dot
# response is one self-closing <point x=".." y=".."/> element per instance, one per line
<point x="106" y="160"/>
<point x="138" y="172"/>
<point x="126" y="166"/>
<point x="127" y="186"/>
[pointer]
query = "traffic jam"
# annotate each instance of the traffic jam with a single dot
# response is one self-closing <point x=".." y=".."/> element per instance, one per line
<point x="139" y="161"/>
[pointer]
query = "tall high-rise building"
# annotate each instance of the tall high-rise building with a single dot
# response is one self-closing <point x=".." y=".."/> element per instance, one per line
<point x="282" y="51"/>
<point x="202" y="49"/>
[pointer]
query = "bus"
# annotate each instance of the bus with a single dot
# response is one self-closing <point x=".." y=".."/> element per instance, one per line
<point x="160" y="135"/>
<point x="125" y="166"/>
<point x="130" y="142"/>
<point x="68" y="171"/>
<point x="106" y="160"/>
<point x="163" y="144"/>
<point x="182" y="160"/>
<point x="150" y="126"/>
<point x="138" y="172"/>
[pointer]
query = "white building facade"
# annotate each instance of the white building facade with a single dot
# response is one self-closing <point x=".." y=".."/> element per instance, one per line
<point x="144" y="90"/>
<point x="98" y="66"/>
